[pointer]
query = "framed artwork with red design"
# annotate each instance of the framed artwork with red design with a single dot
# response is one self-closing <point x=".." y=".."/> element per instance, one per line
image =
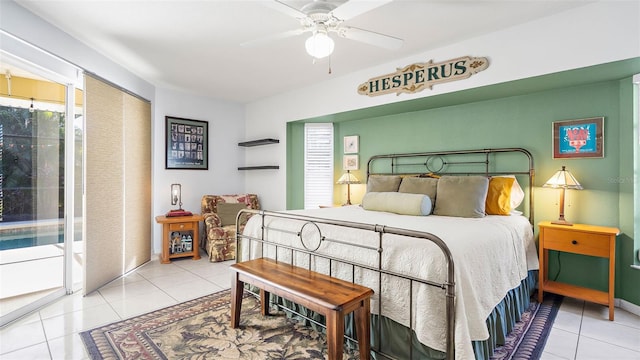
<point x="583" y="138"/>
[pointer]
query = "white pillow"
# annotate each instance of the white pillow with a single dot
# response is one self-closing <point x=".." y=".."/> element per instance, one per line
<point x="398" y="203"/>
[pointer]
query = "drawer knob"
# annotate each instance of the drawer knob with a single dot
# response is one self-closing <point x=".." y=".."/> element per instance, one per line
<point x="574" y="242"/>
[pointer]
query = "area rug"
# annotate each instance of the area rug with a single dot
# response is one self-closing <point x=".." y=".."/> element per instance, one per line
<point x="199" y="329"/>
<point x="529" y="335"/>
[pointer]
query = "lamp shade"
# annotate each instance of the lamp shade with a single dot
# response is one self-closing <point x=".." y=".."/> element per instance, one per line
<point x="319" y="45"/>
<point x="348" y="178"/>
<point x="563" y="179"/>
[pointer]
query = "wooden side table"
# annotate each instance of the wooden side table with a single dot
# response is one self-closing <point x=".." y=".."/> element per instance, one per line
<point x="179" y="237"/>
<point x="582" y="239"/>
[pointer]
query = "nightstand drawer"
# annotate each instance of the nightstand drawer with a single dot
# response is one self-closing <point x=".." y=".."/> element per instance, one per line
<point x="181" y="226"/>
<point x="577" y="242"/>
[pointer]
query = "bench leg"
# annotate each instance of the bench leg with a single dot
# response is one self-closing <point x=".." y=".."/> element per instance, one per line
<point x="335" y="334"/>
<point x="237" y="289"/>
<point x="264" y="302"/>
<point x="363" y="324"/>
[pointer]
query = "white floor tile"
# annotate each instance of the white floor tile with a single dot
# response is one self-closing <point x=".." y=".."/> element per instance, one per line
<point x="561" y="344"/>
<point x="191" y="290"/>
<point x="592" y="349"/>
<point x="35" y="352"/>
<point x="611" y="332"/>
<point x="118" y="293"/>
<point x="72" y="303"/>
<point x="143" y="303"/>
<point x="68" y="347"/>
<point x="21" y="335"/>
<point x="69" y="323"/>
<point x="569" y="318"/>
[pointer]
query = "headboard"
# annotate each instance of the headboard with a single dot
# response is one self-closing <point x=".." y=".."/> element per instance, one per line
<point x="487" y="162"/>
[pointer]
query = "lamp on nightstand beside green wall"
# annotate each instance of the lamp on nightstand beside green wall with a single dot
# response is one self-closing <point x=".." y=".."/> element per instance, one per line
<point x="563" y="180"/>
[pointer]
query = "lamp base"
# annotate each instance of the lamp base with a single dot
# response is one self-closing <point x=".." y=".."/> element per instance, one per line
<point x="179" y="212"/>
<point x="562" y="222"/>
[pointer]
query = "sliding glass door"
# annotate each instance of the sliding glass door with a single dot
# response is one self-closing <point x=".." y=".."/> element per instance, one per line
<point x="41" y="251"/>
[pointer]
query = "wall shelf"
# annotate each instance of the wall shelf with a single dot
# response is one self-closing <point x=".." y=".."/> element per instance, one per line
<point x="264" y="167"/>
<point x="258" y="142"/>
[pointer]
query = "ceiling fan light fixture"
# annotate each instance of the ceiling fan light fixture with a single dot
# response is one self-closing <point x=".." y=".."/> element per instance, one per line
<point x="319" y="45"/>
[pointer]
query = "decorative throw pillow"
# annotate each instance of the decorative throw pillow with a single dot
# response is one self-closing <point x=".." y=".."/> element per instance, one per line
<point x="462" y="196"/>
<point x="416" y="185"/>
<point x="398" y="203"/>
<point x="499" y="196"/>
<point x="517" y="194"/>
<point x="228" y="212"/>
<point x="383" y="183"/>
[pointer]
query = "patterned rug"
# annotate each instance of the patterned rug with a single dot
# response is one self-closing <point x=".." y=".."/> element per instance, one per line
<point x="199" y="329"/>
<point x="526" y="341"/>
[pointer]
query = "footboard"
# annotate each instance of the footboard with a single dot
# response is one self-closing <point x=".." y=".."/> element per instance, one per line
<point x="306" y="246"/>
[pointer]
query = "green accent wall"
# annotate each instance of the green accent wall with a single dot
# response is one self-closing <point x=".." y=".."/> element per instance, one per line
<point x="516" y="114"/>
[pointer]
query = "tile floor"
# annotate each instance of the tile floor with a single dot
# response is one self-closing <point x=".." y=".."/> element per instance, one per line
<point x="581" y="330"/>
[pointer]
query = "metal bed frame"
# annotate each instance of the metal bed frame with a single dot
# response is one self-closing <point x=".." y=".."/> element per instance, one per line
<point x="311" y="237"/>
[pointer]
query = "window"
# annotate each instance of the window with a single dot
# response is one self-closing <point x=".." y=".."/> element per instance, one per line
<point x="318" y="165"/>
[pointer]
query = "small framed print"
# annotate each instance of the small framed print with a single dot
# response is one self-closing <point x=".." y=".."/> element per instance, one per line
<point x="187" y="144"/>
<point x="350" y="162"/>
<point x="583" y="138"/>
<point x="351" y="144"/>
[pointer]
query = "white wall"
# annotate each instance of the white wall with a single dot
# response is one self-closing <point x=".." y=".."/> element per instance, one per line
<point x="226" y="129"/>
<point x="593" y="34"/>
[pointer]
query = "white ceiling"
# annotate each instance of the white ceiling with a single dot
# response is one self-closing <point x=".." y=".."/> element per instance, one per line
<point x="194" y="46"/>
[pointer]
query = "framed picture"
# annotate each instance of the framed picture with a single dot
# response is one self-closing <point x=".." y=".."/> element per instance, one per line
<point x="187" y="144"/>
<point x="350" y="162"/>
<point x="582" y="138"/>
<point x="351" y="144"/>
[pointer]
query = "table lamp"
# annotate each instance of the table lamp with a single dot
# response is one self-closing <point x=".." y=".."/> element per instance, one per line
<point x="176" y="195"/>
<point x="563" y="180"/>
<point x="348" y="178"/>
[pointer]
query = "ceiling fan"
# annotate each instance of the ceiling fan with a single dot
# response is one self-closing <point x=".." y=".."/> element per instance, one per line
<point x="321" y="18"/>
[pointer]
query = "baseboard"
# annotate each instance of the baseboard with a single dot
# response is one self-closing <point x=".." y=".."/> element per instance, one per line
<point x="627" y="306"/>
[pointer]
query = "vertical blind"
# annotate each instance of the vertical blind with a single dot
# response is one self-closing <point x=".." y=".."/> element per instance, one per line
<point x="318" y="165"/>
<point x="117" y="183"/>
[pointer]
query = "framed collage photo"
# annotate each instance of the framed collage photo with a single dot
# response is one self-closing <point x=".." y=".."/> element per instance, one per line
<point x="583" y="138"/>
<point x="187" y="144"/>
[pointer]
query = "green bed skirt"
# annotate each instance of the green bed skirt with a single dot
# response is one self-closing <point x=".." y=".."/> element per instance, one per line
<point x="394" y="338"/>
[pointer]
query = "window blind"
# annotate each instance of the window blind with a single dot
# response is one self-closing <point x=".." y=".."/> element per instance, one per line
<point x="318" y="165"/>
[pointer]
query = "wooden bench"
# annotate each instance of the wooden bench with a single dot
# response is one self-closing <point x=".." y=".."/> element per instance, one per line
<point x="331" y="297"/>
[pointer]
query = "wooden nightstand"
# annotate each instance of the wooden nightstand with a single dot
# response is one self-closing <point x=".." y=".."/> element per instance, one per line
<point x="582" y="239"/>
<point x="179" y="237"/>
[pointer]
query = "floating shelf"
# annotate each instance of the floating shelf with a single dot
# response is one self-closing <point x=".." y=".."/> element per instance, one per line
<point x="258" y="142"/>
<point x="264" y="167"/>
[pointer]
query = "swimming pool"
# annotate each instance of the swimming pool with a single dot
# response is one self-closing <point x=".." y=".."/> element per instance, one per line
<point x="18" y="235"/>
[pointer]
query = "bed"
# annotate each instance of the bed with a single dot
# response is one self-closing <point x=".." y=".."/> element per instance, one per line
<point x="449" y="280"/>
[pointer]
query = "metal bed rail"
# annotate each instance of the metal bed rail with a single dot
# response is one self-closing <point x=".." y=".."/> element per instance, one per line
<point x="311" y="238"/>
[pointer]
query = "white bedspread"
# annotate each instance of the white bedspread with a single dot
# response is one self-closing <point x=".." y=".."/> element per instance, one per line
<point x="491" y="255"/>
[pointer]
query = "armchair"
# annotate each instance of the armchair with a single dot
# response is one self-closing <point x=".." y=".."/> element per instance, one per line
<point x="219" y="213"/>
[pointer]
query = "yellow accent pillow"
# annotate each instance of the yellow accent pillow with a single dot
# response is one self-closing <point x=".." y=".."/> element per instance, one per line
<point x="499" y="196"/>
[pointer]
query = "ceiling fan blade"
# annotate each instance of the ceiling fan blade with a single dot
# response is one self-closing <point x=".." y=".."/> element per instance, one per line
<point x="371" y="38"/>
<point x="285" y="9"/>
<point x="354" y="8"/>
<point x="267" y="39"/>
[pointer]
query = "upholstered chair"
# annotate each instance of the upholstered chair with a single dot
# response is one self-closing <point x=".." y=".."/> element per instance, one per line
<point x="219" y="212"/>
